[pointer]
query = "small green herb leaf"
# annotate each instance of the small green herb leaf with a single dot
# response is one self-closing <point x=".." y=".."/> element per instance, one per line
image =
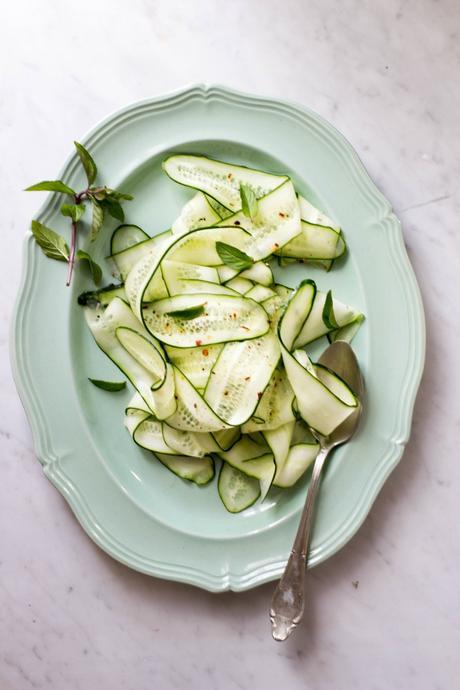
<point x="98" y="193"/>
<point x="52" y="244"/>
<point x="51" y="186"/>
<point x="97" y="220"/>
<point x="119" y="196"/>
<point x="187" y="314"/>
<point x="233" y="257"/>
<point x="248" y="201"/>
<point x="329" y="319"/>
<point x="110" y="198"/>
<point x="74" y="211"/>
<point x="108" y="385"/>
<point x="114" y="208"/>
<point x="87" y="162"/>
<point x="93" y="298"/>
<point x="95" y="269"/>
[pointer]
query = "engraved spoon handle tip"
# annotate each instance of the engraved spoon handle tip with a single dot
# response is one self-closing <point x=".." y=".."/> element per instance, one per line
<point x="288" y="599"/>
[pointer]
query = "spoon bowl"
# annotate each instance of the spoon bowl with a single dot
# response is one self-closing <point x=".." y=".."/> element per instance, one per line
<point x="341" y="360"/>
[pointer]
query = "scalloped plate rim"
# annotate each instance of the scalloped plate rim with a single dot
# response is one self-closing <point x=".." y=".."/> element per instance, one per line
<point x="272" y="569"/>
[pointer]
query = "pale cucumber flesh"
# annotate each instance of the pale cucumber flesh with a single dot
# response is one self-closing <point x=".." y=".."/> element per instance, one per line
<point x="215" y="350"/>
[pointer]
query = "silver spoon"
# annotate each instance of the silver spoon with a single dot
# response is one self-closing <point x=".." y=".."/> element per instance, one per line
<point x="288" y="599"/>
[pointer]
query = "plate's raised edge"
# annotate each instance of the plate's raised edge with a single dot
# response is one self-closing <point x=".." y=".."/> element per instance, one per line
<point x="385" y="220"/>
<point x="169" y="571"/>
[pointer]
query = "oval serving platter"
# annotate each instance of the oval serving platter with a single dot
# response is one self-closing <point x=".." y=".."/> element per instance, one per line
<point x="127" y="502"/>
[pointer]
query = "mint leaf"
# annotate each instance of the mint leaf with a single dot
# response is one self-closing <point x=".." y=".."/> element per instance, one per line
<point x="87" y="162"/>
<point x="329" y="319"/>
<point x="51" y="186"/>
<point x="114" y="208"/>
<point x="74" y="211"/>
<point x="249" y="203"/>
<point x="187" y="314"/>
<point x="95" y="269"/>
<point x="97" y="220"/>
<point x="52" y="244"/>
<point x="233" y="257"/>
<point x="108" y="385"/>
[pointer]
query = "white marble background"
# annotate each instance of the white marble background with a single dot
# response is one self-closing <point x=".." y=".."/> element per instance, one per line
<point x="387" y="74"/>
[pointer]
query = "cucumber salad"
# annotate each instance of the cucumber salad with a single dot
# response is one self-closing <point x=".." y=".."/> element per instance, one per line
<point x="215" y="349"/>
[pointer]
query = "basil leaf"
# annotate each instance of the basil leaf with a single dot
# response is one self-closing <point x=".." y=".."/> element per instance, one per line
<point x="249" y="203"/>
<point x="114" y="208"/>
<point x="95" y="269"/>
<point x="108" y="385"/>
<point x="52" y="244"/>
<point x="187" y="314"/>
<point x="87" y="162"/>
<point x="111" y="199"/>
<point x="98" y="193"/>
<point x="51" y="186"/>
<point x="233" y="257"/>
<point x="328" y="315"/>
<point x="74" y="211"/>
<point x="93" y="298"/>
<point x="97" y="220"/>
<point x="119" y="196"/>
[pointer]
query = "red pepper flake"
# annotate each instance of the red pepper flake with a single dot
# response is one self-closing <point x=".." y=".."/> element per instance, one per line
<point x="198" y="343"/>
<point x="205" y="353"/>
<point x="281" y="215"/>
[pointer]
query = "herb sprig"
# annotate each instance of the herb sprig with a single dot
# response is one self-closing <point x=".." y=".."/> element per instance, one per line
<point x="101" y="198"/>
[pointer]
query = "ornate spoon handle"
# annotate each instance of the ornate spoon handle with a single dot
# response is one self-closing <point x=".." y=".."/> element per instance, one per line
<point x="289" y="597"/>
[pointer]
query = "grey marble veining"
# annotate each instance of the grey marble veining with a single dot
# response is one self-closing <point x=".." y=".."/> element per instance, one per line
<point x="385" y="611"/>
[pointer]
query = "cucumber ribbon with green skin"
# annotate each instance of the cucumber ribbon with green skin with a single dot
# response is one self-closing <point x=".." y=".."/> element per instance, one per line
<point x="213" y="347"/>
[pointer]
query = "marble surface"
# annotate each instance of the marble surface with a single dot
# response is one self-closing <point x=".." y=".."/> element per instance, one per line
<point x="383" y="613"/>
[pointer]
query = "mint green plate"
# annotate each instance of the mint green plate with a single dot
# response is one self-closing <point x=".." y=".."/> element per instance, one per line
<point x="128" y="503"/>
